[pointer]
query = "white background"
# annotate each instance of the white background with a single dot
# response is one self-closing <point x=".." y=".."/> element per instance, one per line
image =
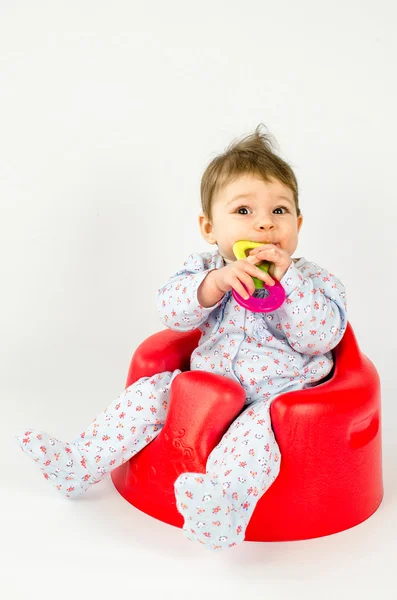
<point x="109" y="114"/>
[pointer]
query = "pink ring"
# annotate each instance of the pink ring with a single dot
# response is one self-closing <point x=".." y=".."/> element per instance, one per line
<point x="269" y="304"/>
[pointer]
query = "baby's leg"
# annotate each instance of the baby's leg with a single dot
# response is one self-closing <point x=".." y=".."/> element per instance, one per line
<point x="128" y="424"/>
<point x="217" y="505"/>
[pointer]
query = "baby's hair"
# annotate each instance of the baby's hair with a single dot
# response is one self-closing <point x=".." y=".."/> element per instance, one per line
<point x="252" y="155"/>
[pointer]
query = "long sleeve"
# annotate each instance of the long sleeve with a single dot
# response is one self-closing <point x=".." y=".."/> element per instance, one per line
<point x="177" y="303"/>
<point x="314" y="314"/>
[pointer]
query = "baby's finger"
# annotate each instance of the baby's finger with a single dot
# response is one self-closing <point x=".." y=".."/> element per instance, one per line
<point x="247" y="280"/>
<point x="264" y="253"/>
<point x="260" y="274"/>
<point x="254" y="259"/>
<point x="240" y="289"/>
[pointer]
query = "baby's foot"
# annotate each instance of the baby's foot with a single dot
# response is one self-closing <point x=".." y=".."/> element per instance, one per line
<point x="60" y="462"/>
<point x="210" y="517"/>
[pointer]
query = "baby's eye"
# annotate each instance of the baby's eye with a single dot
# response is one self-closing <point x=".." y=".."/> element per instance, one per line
<point x="246" y="208"/>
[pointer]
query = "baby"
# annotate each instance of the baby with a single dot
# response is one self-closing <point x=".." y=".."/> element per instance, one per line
<point x="247" y="193"/>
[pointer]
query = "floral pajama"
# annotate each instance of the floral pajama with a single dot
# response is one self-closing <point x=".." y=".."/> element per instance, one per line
<point x="126" y="426"/>
<point x="216" y="505"/>
<point x="268" y="354"/>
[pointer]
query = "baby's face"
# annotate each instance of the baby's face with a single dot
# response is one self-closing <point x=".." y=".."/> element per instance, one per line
<point x="266" y="213"/>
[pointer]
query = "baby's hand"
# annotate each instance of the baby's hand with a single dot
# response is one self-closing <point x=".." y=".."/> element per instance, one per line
<point x="240" y="272"/>
<point x="280" y="259"/>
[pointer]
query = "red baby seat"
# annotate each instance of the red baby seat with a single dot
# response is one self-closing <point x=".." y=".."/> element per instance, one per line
<point x="329" y="438"/>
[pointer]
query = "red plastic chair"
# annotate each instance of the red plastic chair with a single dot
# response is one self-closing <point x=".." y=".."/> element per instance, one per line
<point x="329" y="437"/>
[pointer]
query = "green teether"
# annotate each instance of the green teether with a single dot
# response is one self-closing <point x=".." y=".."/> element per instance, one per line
<point x="239" y="249"/>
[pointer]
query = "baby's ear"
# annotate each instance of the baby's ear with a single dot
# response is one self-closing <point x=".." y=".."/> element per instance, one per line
<point x="206" y="228"/>
<point x="300" y="222"/>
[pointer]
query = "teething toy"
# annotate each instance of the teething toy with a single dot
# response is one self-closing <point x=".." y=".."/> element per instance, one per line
<point x="276" y="292"/>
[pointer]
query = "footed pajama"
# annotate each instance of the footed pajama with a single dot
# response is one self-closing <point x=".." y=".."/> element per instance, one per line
<point x="133" y="420"/>
<point x="216" y="505"/>
<point x="266" y="353"/>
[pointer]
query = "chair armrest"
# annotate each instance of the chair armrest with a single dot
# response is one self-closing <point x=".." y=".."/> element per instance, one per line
<point x="165" y="350"/>
<point x="344" y="409"/>
<point x="354" y="383"/>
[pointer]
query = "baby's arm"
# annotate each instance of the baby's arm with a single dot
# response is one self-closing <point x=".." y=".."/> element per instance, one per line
<point x="178" y="302"/>
<point x="314" y="314"/>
